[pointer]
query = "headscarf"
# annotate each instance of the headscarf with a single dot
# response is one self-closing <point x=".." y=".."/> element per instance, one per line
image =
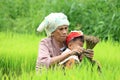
<point x="52" y="21"/>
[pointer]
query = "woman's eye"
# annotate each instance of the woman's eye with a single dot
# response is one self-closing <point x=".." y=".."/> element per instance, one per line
<point x="66" y="27"/>
<point x="60" y="28"/>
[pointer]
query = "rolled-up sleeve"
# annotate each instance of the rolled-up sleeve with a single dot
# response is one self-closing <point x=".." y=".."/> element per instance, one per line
<point x="43" y="55"/>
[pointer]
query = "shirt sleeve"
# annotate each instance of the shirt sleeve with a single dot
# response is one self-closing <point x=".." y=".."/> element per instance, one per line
<point x="43" y="55"/>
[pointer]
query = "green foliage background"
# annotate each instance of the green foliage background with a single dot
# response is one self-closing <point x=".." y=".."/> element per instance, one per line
<point x="95" y="17"/>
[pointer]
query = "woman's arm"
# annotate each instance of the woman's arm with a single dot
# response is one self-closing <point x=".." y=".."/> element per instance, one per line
<point x="57" y="59"/>
<point x="44" y="58"/>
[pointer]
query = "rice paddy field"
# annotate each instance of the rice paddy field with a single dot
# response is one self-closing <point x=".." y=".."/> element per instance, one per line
<point x="19" y="40"/>
<point x="18" y="54"/>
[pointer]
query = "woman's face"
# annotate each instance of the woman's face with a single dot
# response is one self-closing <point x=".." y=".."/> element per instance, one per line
<point x="60" y="33"/>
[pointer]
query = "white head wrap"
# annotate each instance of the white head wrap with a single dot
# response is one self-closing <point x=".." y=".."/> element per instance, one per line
<point x="52" y="21"/>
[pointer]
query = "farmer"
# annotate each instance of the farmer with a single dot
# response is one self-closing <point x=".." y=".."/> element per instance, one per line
<point x="51" y="48"/>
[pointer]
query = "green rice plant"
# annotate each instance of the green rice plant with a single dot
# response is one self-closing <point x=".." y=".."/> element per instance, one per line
<point x="18" y="54"/>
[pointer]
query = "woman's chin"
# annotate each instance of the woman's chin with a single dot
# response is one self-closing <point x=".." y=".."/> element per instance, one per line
<point x="63" y="39"/>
